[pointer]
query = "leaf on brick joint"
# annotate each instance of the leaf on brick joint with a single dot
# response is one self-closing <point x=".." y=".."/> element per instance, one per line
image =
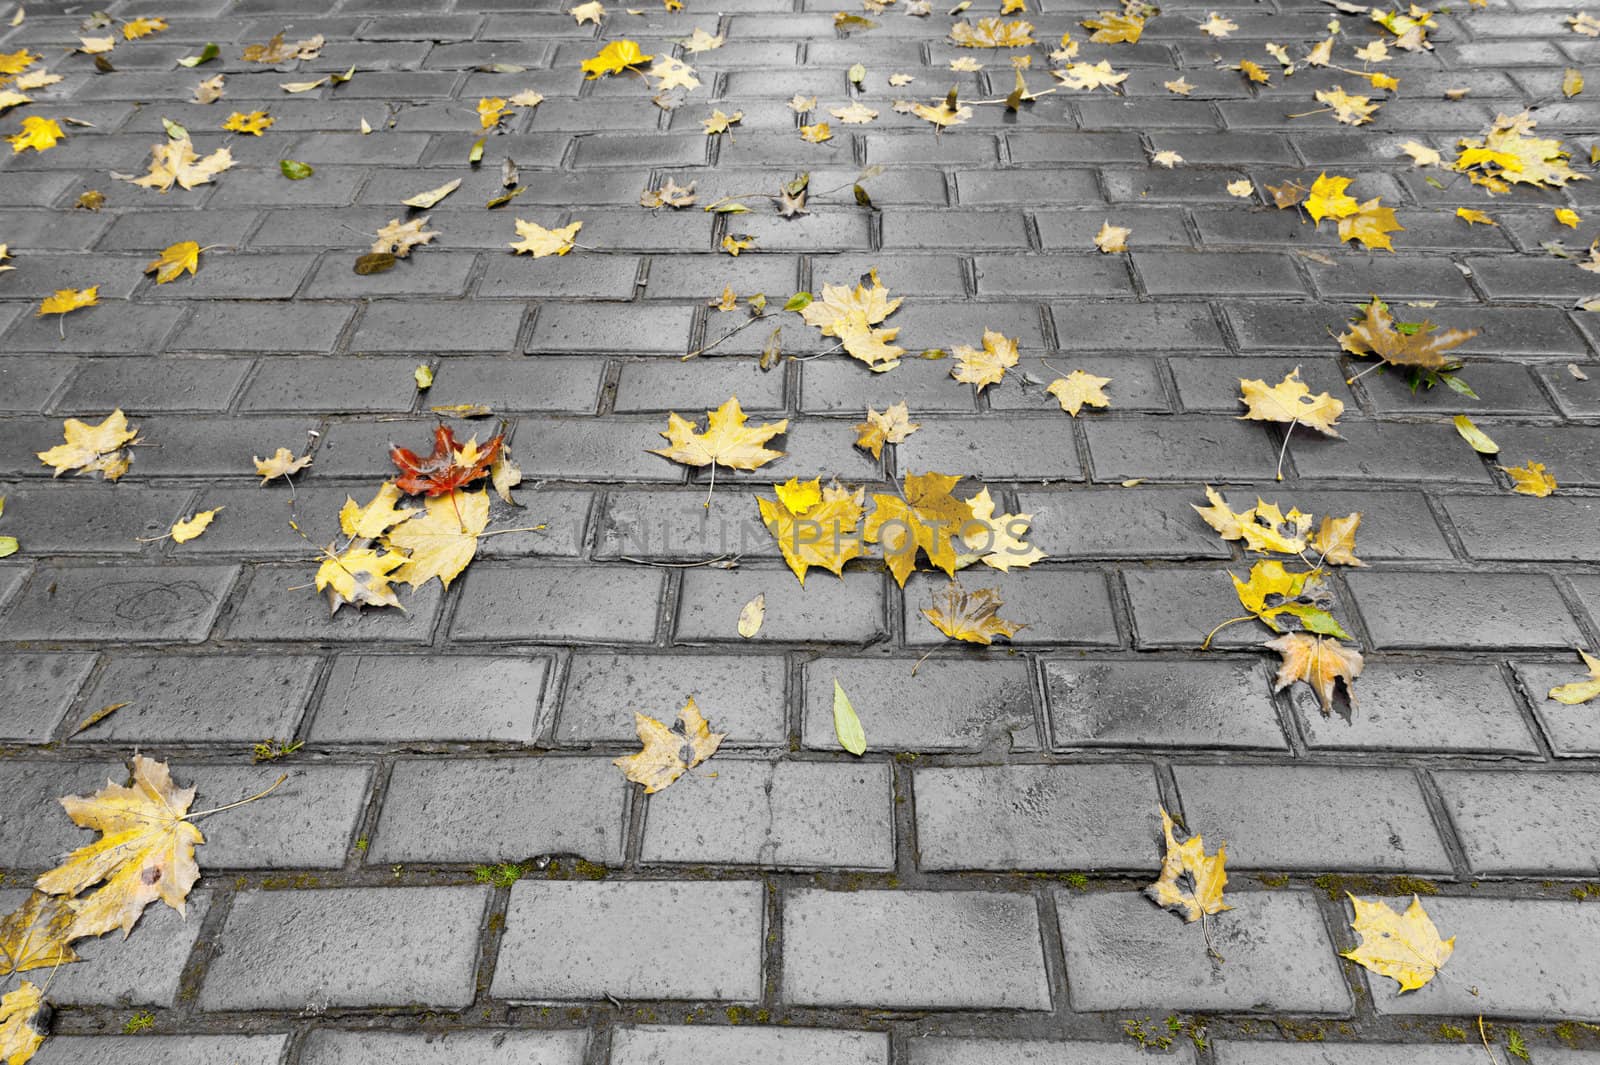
<point x="1348" y="109"/>
<point x="971" y="617"/>
<point x="1191" y="880"/>
<point x="849" y="315"/>
<point x="92" y="448"/>
<point x="891" y="426"/>
<point x="996" y="539"/>
<point x="1265" y="527"/>
<point x="1089" y="76"/>
<point x="174" y="260"/>
<point x="423" y="201"/>
<point x="669" y="753"/>
<point x="1507" y="155"/>
<point x="1273" y="592"/>
<point x="593" y="11"/>
<point x="398" y="238"/>
<point x="442" y="541"/>
<point x="280" y="463"/>
<point x="1371" y="224"/>
<point x="1111" y="27"/>
<point x="1320" y="661"/>
<point x="992" y="33"/>
<point x="1580" y="691"/>
<point x="36" y="935"/>
<point x="928" y="519"/>
<point x="1375" y="333"/>
<point x="176" y="162"/>
<point x="359" y="575"/>
<point x="276" y="51"/>
<point x="726" y="440"/>
<point x="1530" y="479"/>
<point x="145" y="852"/>
<point x="1112" y="238"/>
<point x="670" y="194"/>
<point x="209" y="91"/>
<point x="21" y="1030"/>
<point x="1405" y="947"/>
<point x="1218" y="26"/>
<point x="448" y="467"/>
<point x="986" y="366"/>
<point x="1290" y="400"/>
<point x="1078" y="390"/>
<point x="814" y="526"/>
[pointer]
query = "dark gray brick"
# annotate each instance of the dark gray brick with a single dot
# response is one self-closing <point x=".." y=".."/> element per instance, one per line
<point x="1076" y="230"/>
<point x="578" y="940"/>
<point x="26" y="385"/>
<point x="36" y="690"/>
<point x="947" y="704"/>
<point x="498" y="1046"/>
<point x="1160" y="704"/>
<point x="607" y="277"/>
<point x="1125" y="954"/>
<point x="1286" y="817"/>
<point x="1572" y="731"/>
<point x="121" y="602"/>
<point x="824" y="610"/>
<point x="794" y="815"/>
<point x="667" y="384"/>
<point x="200" y="698"/>
<point x="294" y="328"/>
<point x="514" y="383"/>
<point x="1140" y="327"/>
<point x="1031" y="596"/>
<point x="398" y="699"/>
<point x="729" y="1046"/>
<point x="1036" y="817"/>
<point x="1026" y="187"/>
<point x="558" y="604"/>
<point x="1179" y="449"/>
<point x="439" y="274"/>
<point x="281" y="604"/>
<point x="427" y="326"/>
<point x="623" y="328"/>
<point x="1052" y="275"/>
<point x="343" y="385"/>
<point x="1466" y="610"/>
<point x="1502" y="331"/>
<point x="66" y="518"/>
<point x="741" y="695"/>
<point x="1425" y="708"/>
<point x="872" y="947"/>
<point x="1571" y="452"/>
<point x="938" y="1050"/>
<point x="109" y="329"/>
<point x="420" y="943"/>
<point x="1507" y="527"/>
<point x="1397" y="452"/>
<point x="1531" y="824"/>
<point x="1018" y="448"/>
<point x="501" y="809"/>
<point x="1217" y="273"/>
<point x="676" y="524"/>
<point x="942" y="229"/>
<point x="140" y="385"/>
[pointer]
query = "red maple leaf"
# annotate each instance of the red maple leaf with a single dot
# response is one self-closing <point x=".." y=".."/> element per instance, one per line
<point x="449" y="467"/>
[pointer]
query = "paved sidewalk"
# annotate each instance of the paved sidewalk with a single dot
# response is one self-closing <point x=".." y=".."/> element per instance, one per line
<point x="455" y="872"/>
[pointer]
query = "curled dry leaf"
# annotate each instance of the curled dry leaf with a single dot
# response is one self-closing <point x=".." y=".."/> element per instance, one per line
<point x="37" y="935"/>
<point x="22" y="1029"/>
<point x="1191" y="880"/>
<point x="189" y="528"/>
<point x="448" y="467"/>
<point x="176" y="162"/>
<point x="40" y="134"/>
<point x="174" y="260"/>
<point x="359" y="575"/>
<point x="1320" y="661"/>
<point x="1530" y="479"/>
<point x="892" y="426"/>
<point x="846" y="724"/>
<point x="1375" y="333"/>
<point x="669" y="753"/>
<point x="1112" y="238"/>
<point x="971" y="617"/>
<point x="987" y="366"/>
<point x="398" y="238"/>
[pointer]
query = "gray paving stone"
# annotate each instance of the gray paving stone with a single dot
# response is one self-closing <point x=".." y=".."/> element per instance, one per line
<point x="948" y="704"/>
<point x="741" y="695"/>
<point x="913" y="949"/>
<point x="172" y="1049"/>
<point x="674" y="523"/>
<point x="294" y="328"/>
<point x="1124" y="953"/>
<point x="139" y="385"/>
<point x="1437" y="707"/>
<point x="1512" y="959"/>
<point x="1572" y="731"/>
<point x="109" y="974"/>
<point x="1036" y="817"/>
<point x="823" y="610"/>
<point x="1230" y="1052"/>
<point x="36" y="690"/>
<point x="342" y="386"/>
<point x="731" y="1046"/>
<point x="230" y="698"/>
<point x="1481" y="610"/>
<point x="609" y="449"/>
<point x="586" y="940"/>
<point x="558" y="604"/>
<point x="1160" y="704"/>
<point x="1527" y="823"/>
<point x="281" y="604"/>
<point x="501" y="809"/>
<point x="421" y="945"/>
<point x="1179" y="449"/>
<point x="125" y="602"/>
<point x="428" y="326"/>
<point x="1018" y="448"/>
<point x="326" y="1046"/>
<point x="396" y="699"/>
<point x="937" y="1050"/>
<point x="791" y="815"/>
<point x="514" y="383"/>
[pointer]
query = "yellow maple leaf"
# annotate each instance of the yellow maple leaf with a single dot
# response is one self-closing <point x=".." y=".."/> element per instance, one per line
<point x="280" y="464"/>
<point x="1320" y="661"/>
<point x="1178" y="86"/>
<point x="996" y="539"/>
<point x="1253" y="72"/>
<point x="1218" y="26"/>
<point x="21" y="1034"/>
<point x="1530" y="479"/>
<point x="1507" y="155"/>
<point x="528" y="98"/>
<point x="40" y="134"/>
<point x="1273" y="591"/>
<point x="987" y="366"/>
<point x="1191" y="880"/>
<point x="720" y="121"/>
<point x="145" y="851"/>
<point x="701" y="41"/>
<point x="971" y="617"/>
<point x="377" y="517"/>
<point x="734" y="243"/>
<point x="10" y="99"/>
<point x="1335" y="540"/>
<point x="928" y="519"/>
<point x="1580" y="691"/>
<point x="1112" y="238"/>
<point x="854" y="114"/>
<point x="177" y="162"/>
<point x="1474" y="217"/>
<point x="592" y="11"/>
<point x="491" y="109"/>
<point x="96" y="45"/>
<point x="673" y="74"/>
<point x="1243" y="188"/>
<point x="668" y="754"/>
<point x="1090" y="76"/>
<point x="18" y="61"/>
<point x="66" y="300"/>
<point x="255" y="123"/>
<point x="1405" y="947"/>
<point x="992" y="33"/>
<point x="1371" y="225"/>
<point x="1327" y="198"/>
<point x="1348" y="109"/>
<point x="174" y="260"/>
<point x="816" y="133"/>
<point x="1290" y="400"/>
<point x="725" y="442"/>
<point x="1422" y="155"/>
<point x="133" y="29"/>
<point x="36" y="935"/>
<point x="833" y="312"/>
<point x="359" y="575"/>
<point x="892" y="426"/>
<point x="965" y="65"/>
<point x="442" y="541"/>
<point x="814" y="527"/>
<point x="1112" y="28"/>
<point x="1567" y="217"/>
<point x="614" y="58"/>
<point x="539" y="241"/>
<point x="942" y="114"/>
<point x="89" y="448"/>
<point x="1079" y="389"/>
<point x="398" y="238"/>
<point x="184" y="531"/>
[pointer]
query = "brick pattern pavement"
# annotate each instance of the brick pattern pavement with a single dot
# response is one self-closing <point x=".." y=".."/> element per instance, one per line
<point x="966" y="893"/>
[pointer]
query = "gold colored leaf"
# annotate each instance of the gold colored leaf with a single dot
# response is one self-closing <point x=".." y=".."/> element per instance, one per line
<point x="614" y="58"/>
<point x="1348" y="109"/>
<point x="1320" y="661"/>
<point x="1474" y="217"/>
<point x="996" y="539"/>
<point x="443" y="540"/>
<point x="928" y="518"/>
<point x="176" y="162"/>
<point x="720" y="121"/>
<point x="1112" y="238"/>
<point x="90" y="448"/>
<point x="133" y="29"/>
<point x="890" y="427"/>
<point x="21" y="1034"/>
<point x="539" y="241"/>
<point x="987" y="366"/>
<point x="1290" y="400"/>
<point x="398" y="238"/>
<point x="1371" y="225"/>
<point x="1089" y="76"/>
<point x="725" y="442"/>
<point x="280" y="464"/>
<point x="970" y="616"/>
<point x="1530" y="480"/>
<point x="1405" y="947"/>
<point x="1481" y="442"/>
<point x="1079" y="389"/>
<point x="1375" y="333"/>
<point x="992" y="33"/>
<point x="40" y="134"/>
<point x="36" y="935"/>
<point x="1111" y="27"/>
<point x="819" y="531"/>
<point x="174" y="260"/>
<point x="1191" y="880"/>
<point x="184" y="531"/>
<point x="1335" y="540"/>
<point x="1218" y="26"/>
<point x="66" y="300"/>
<point x="1580" y="691"/>
<point x="669" y="753"/>
<point x="359" y="575"/>
<point x="816" y="133"/>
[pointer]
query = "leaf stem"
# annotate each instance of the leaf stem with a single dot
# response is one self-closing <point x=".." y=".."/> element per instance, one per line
<point x="218" y="809"/>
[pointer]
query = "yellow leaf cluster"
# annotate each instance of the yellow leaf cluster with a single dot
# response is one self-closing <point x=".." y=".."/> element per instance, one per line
<point x="1111" y="27"/>
<point x="992" y="33"/>
<point x="1350" y="110"/>
<point x="850" y="314"/>
<point x="1507" y="155"/>
<point x="891" y="426"/>
<point x="1530" y="479"/>
<point x="176" y="162"/>
<point x="21" y="1034"/>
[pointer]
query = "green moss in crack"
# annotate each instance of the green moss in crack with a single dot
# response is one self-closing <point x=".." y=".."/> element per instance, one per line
<point x="1335" y="885"/>
<point x="1076" y="881"/>
<point x="500" y="875"/>
<point x="1452" y="1032"/>
<point x="1273" y="880"/>
<point x="142" y="1021"/>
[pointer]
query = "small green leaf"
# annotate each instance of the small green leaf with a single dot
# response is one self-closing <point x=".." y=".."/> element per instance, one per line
<point x="8" y="546"/>
<point x="207" y="54"/>
<point x="730" y="208"/>
<point x="798" y="302"/>
<point x="424" y="377"/>
<point x="294" y="171"/>
<point x="475" y="156"/>
<point x="175" y="131"/>
<point x="846" y="725"/>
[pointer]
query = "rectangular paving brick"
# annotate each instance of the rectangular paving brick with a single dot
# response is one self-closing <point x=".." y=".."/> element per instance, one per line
<point x="1523" y="823"/>
<point x="1036" y="817"/>
<point x="944" y="705"/>
<point x="401" y="698"/>
<point x="173" y="1049"/>
<point x="913" y="950"/>
<point x="940" y="1050"/>
<point x="1432" y="707"/>
<point x="420" y="945"/>
<point x="500" y="809"/>
<point x="1160" y="704"/>
<point x="122" y="602"/>
<point x="36" y="690"/>
<point x="824" y="609"/>
<point x="1478" y="610"/>
<point x="558" y="604"/>
<point x="1179" y="449"/>
<point x="742" y="695"/>
<point x="794" y="815"/>
<point x="1230" y="1052"/>
<point x="701" y="1045"/>
<point x="280" y="604"/>
<point x="1032" y="596"/>
<point x="587" y="940"/>
<point x="231" y="698"/>
<point x="1125" y="953"/>
<point x="494" y="1046"/>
